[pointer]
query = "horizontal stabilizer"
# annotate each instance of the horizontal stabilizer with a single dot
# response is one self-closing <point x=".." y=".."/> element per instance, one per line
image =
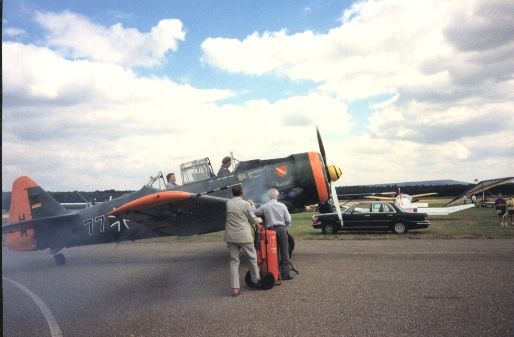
<point x="40" y="223"/>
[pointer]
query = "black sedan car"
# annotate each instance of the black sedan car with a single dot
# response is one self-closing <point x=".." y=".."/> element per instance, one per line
<point x="371" y="215"/>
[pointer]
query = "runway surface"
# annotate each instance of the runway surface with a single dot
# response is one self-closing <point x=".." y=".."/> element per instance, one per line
<point x="345" y="288"/>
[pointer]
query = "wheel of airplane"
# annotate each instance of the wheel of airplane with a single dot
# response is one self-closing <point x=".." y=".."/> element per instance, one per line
<point x="60" y="259"/>
<point x="399" y="228"/>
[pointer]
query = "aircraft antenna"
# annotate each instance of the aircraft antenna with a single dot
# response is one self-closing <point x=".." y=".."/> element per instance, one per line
<point x="234" y="160"/>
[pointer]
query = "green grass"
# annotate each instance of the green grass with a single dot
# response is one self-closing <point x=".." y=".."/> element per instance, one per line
<point x="468" y="224"/>
<point x="472" y="223"/>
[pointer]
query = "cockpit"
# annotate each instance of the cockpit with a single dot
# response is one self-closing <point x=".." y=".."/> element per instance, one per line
<point x="197" y="170"/>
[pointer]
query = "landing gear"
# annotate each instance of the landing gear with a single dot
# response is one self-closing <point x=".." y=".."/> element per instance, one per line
<point x="59" y="258"/>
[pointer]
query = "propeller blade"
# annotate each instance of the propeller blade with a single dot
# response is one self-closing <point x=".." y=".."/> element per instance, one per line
<point x="321" y="147"/>
<point x="323" y="153"/>
<point x="336" y="203"/>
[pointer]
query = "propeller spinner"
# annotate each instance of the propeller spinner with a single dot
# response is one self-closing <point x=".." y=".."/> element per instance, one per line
<point x="333" y="174"/>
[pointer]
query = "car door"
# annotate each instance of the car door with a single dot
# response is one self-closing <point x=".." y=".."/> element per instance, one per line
<point x="382" y="215"/>
<point x="386" y="215"/>
<point x="358" y="216"/>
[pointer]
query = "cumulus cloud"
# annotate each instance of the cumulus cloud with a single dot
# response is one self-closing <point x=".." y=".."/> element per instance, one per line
<point x="103" y="126"/>
<point x="75" y="36"/>
<point x="76" y="116"/>
<point x="481" y="25"/>
<point x="446" y="66"/>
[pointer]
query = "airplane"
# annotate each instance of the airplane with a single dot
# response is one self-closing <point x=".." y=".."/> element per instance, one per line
<point x="481" y="187"/>
<point x="410" y="203"/>
<point x="402" y="200"/>
<point x="37" y="221"/>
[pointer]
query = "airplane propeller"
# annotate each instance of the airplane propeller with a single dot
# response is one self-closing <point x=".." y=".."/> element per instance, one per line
<point x="333" y="174"/>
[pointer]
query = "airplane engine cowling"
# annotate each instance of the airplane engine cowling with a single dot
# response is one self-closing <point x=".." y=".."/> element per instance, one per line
<point x="22" y="240"/>
<point x="314" y="177"/>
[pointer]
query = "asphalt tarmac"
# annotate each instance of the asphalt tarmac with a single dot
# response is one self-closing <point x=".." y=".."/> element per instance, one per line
<point x="345" y="288"/>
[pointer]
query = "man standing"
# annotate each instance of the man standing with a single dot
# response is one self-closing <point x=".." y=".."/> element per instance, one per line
<point x="510" y="208"/>
<point x="172" y="180"/>
<point x="474" y="200"/>
<point x="501" y="209"/>
<point x="238" y="236"/>
<point x="277" y="217"/>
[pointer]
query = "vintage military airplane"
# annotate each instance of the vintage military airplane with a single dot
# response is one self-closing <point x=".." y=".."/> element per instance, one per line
<point x="403" y="200"/>
<point x="37" y="221"/>
<point x="408" y="202"/>
<point x="480" y="188"/>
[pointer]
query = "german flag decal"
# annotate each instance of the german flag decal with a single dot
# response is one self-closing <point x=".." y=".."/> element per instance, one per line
<point x="281" y="170"/>
<point x="36" y="205"/>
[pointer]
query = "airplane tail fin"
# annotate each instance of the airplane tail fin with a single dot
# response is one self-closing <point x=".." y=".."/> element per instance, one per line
<point x="29" y="201"/>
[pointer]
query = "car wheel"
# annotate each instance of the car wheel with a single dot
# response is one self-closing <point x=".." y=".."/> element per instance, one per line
<point x="323" y="230"/>
<point x="399" y="228"/>
<point x="330" y="228"/>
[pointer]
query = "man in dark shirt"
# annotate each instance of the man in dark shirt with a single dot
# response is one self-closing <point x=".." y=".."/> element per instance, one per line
<point x="225" y="164"/>
<point x="501" y="209"/>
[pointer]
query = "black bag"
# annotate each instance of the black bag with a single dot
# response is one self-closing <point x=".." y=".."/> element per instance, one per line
<point x="256" y="239"/>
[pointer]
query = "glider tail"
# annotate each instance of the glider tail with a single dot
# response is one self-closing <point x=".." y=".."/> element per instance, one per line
<point x="29" y="202"/>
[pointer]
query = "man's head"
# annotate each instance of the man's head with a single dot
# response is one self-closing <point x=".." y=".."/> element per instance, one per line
<point x="500" y="195"/>
<point x="170" y="177"/>
<point x="237" y="190"/>
<point x="226" y="162"/>
<point x="273" y="193"/>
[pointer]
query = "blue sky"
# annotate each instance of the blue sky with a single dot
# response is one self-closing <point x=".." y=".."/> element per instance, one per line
<point x="103" y="94"/>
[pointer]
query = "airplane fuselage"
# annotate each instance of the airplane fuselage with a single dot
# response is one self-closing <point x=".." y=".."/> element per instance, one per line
<point x="300" y="178"/>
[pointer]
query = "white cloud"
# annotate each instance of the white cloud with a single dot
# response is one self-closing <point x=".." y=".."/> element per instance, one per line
<point x="100" y="125"/>
<point x="75" y="36"/>
<point x="76" y="117"/>
<point x="15" y="32"/>
<point x="447" y="66"/>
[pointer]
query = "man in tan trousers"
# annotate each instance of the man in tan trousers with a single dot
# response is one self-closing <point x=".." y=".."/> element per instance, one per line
<point x="238" y="236"/>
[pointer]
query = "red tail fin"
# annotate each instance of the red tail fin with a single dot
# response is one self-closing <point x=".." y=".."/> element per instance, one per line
<point x="29" y="201"/>
<point x="20" y="206"/>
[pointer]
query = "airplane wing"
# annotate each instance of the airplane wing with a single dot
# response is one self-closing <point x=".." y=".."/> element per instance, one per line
<point x="374" y="197"/>
<point x="351" y="196"/>
<point x="176" y="212"/>
<point x="482" y="186"/>
<point x="423" y="195"/>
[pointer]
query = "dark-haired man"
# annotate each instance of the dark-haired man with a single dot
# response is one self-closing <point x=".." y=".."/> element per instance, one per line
<point x="171" y="180"/>
<point x="238" y="236"/>
<point x="225" y="164"/>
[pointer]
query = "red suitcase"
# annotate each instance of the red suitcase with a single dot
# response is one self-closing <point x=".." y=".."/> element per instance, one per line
<point x="267" y="257"/>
